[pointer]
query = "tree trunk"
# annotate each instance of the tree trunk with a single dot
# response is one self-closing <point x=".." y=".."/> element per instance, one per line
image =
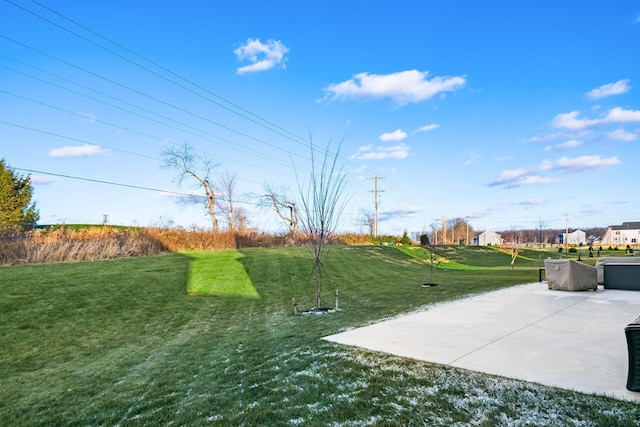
<point x="317" y="268"/>
<point x="211" y="204"/>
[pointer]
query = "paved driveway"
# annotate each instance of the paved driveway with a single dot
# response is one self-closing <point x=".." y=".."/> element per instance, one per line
<point x="572" y="340"/>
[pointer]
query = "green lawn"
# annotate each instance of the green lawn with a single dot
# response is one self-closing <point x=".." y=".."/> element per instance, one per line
<point x="123" y="343"/>
<point x="479" y="257"/>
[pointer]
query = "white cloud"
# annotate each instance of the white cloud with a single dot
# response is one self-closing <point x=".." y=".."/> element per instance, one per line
<point x="564" y="146"/>
<point x="88" y="117"/>
<point x="366" y="148"/>
<point x="530" y="202"/>
<point x="622" y="135"/>
<point x="76" y="151"/>
<point x="503" y="158"/>
<point x="41" y="180"/>
<point x="367" y="152"/>
<point x="409" y="212"/>
<point x="578" y="164"/>
<point x="427" y="128"/>
<point x="615" y="115"/>
<point x="411" y="86"/>
<point x="575" y="134"/>
<point x="571" y="121"/>
<point x="396" y="135"/>
<point x="617" y="88"/>
<point x="518" y="177"/>
<point x="262" y="56"/>
<point x="472" y="158"/>
<point x="620" y="115"/>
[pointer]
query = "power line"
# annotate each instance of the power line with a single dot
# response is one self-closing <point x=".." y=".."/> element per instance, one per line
<point x="153" y="98"/>
<point x="90" y="142"/>
<point x="252" y="117"/>
<point x="153" y="63"/>
<point x="119" y="184"/>
<point x="228" y="144"/>
<point x="234" y="145"/>
<point x="76" y="139"/>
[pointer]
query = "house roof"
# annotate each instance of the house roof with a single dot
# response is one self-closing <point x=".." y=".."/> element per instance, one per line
<point x="626" y="226"/>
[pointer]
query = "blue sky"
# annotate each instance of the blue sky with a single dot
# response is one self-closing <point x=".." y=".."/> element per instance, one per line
<point x="507" y="113"/>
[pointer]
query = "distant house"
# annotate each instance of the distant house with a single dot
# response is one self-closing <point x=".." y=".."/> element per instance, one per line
<point x="489" y="238"/>
<point x="577" y="237"/>
<point x="626" y="234"/>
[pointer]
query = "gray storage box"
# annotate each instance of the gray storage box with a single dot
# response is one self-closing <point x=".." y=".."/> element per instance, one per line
<point x="600" y="263"/>
<point x="622" y="276"/>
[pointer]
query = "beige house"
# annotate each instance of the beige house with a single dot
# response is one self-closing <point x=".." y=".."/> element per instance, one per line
<point x="489" y="237"/>
<point x="626" y="234"/>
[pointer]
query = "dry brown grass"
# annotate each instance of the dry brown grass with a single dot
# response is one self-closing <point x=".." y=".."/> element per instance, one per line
<point x="64" y="244"/>
<point x="178" y="239"/>
<point x="354" y="239"/>
<point x="84" y="245"/>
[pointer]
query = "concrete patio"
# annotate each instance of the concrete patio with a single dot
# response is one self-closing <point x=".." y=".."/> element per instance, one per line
<point x="572" y="340"/>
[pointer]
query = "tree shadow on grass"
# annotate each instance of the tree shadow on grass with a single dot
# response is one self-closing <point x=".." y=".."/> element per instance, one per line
<point x="219" y="273"/>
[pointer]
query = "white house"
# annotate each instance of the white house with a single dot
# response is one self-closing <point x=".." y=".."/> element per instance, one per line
<point x="489" y="237"/>
<point x="577" y="237"/>
<point x="626" y="234"/>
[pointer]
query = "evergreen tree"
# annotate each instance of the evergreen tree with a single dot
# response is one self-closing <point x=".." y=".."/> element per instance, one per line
<point x="17" y="211"/>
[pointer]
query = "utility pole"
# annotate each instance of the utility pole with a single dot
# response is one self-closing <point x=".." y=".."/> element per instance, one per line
<point x="436" y="229"/>
<point x="376" y="202"/>
<point x="444" y="231"/>
<point x="467" y="230"/>
<point x="566" y="235"/>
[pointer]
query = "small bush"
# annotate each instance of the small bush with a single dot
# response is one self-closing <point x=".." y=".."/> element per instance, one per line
<point x="573" y="250"/>
<point x="405" y="240"/>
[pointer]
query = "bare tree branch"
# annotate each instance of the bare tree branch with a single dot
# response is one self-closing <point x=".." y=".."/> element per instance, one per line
<point x="286" y="209"/>
<point x="322" y="205"/>
<point x="233" y="214"/>
<point x="186" y="163"/>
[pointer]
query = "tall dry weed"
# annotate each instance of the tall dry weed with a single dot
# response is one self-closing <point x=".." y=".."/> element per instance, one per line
<point x="63" y="244"/>
<point x="68" y="245"/>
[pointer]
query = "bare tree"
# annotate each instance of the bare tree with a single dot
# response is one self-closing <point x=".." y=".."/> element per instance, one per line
<point x="284" y="206"/>
<point x="187" y="163"/>
<point x="322" y="204"/>
<point x="369" y="219"/>
<point x="225" y="202"/>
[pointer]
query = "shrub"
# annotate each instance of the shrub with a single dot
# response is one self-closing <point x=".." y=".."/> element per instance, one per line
<point x="573" y="250"/>
<point x="64" y="246"/>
